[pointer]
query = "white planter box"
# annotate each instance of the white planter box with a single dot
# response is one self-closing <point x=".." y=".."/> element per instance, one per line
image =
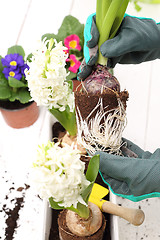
<point x="47" y="211"/>
<point x="120" y="228"/>
<point x="47" y="220"/>
<point x="150" y="228"/>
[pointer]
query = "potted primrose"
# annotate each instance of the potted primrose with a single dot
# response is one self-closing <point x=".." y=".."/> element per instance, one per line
<point x="58" y="175"/>
<point x="15" y="101"/>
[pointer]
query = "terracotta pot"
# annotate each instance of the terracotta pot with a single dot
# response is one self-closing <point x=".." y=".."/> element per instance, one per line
<point x="66" y="234"/>
<point x="22" y="117"/>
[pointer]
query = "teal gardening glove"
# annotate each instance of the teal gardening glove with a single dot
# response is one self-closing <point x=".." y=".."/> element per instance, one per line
<point x="137" y="40"/>
<point x="134" y="178"/>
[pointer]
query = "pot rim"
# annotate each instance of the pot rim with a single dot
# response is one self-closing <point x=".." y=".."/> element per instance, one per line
<point x="2" y="108"/>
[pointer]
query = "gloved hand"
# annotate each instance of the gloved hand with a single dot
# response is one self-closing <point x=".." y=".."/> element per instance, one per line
<point x="90" y="50"/>
<point x="137" y="40"/>
<point x="129" y="177"/>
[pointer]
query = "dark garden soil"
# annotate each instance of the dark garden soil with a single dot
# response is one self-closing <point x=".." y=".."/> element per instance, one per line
<point x="13" y="105"/>
<point x="13" y="213"/>
<point x="86" y="103"/>
<point x="54" y="235"/>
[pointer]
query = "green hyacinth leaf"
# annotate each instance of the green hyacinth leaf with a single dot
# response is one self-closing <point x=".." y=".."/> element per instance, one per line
<point x="86" y="193"/>
<point x="93" y="168"/>
<point x="54" y="204"/>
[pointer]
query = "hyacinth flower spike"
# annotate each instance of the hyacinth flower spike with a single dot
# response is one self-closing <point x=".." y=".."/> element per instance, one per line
<point x="48" y="85"/>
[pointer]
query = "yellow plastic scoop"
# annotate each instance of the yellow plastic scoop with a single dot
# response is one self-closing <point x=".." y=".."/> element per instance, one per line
<point x="134" y="216"/>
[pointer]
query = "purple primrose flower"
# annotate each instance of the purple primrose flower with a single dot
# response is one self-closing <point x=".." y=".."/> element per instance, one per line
<point x="15" y="73"/>
<point x="13" y="60"/>
<point x="14" y="66"/>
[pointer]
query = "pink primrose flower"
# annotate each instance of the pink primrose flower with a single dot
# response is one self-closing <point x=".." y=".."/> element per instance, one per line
<point x="72" y="42"/>
<point x="74" y="63"/>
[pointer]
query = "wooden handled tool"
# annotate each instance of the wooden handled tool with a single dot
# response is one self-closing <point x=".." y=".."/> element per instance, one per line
<point x="134" y="216"/>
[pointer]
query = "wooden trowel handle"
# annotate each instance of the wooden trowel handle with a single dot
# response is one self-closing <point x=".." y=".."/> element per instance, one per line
<point x="134" y="216"/>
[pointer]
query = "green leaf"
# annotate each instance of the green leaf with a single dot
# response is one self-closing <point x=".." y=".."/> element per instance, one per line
<point x="118" y="18"/>
<point x="23" y="95"/>
<point x="5" y="92"/>
<point x="99" y="15"/>
<point x="114" y="13"/>
<point x="48" y="36"/>
<point x="13" y="96"/>
<point x="71" y="76"/>
<point x="83" y="211"/>
<point x="93" y="168"/>
<point x="16" y="49"/>
<point x="70" y="83"/>
<point x="1" y="66"/>
<point x="86" y="193"/>
<point x="70" y="25"/>
<point x="67" y="119"/>
<point x="29" y="57"/>
<point x="3" y="80"/>
<point x="137" y="7"/>
<point x="77" y="53"/>
<point x="54" y="204"/>
<point x="13" y="82"/>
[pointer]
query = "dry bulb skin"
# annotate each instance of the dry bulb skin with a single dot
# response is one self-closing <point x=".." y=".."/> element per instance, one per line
<point x="73" y="140"/>
<point x="101" y="81"/>
<point x="85" y="227"/>
<point x="104" y="131"/>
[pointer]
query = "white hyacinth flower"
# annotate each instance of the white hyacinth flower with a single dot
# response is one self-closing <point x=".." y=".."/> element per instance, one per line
<point x="47" y="77"/>
<point x="59" y="173"/>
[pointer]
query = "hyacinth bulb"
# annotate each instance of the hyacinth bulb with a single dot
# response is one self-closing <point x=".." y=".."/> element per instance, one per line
<point x="100" y="81"/>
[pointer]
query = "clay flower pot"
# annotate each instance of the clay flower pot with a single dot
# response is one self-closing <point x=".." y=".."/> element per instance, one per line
<point x="22" y="117"/>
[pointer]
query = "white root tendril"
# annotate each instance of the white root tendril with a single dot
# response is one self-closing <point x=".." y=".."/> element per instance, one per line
<point x="97" y="135"/>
